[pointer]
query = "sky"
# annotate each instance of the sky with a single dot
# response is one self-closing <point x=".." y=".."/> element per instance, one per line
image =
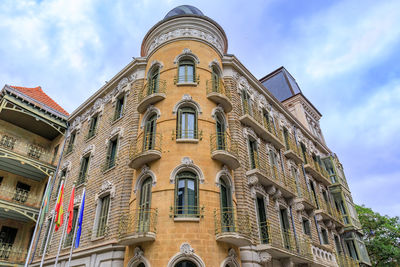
<point x="343" y="54"/>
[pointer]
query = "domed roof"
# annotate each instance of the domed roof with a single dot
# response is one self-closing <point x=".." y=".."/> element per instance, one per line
<point x="184" y="10"/>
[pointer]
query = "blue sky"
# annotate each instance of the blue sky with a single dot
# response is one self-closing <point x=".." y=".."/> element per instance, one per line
<point x="344" y="55"/>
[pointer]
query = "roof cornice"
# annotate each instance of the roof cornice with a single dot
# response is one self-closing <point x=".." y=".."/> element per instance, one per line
<point x="137" y="62"/>
<point x="235" y="63"/>
<point x="34" y="102"/>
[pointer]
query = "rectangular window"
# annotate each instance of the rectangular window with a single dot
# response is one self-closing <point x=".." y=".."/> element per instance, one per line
<point x="55" y="154"/>
<point x="70" y="236"/>
<point x="274" y="163"/>
<point x="119" y="107"/>
<point x="287" y="242"/>
<point x="253" y="154"/>
<point x="324" y="236"/>
<point x="262" y="221"/>
<point x="352" y="249"/>
<point x="337" y="244"/>
<point x="303" y="152"/>
<point x="103" y="216"/>
<point x="111" y="153"/>
<point x="21" y="192"/>
<point x="93" y="126"/>
<point x="286" y="136"/>
<point x="71" y="142"/>
<point x="83" y="171"/>
<point x="306" y="227"/>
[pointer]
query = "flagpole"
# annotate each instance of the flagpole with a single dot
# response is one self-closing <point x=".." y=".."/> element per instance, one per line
<point x="51" y="181"/>
<point x="76" y="227"/>
<point x="61" y="238"/>
<point x="37" y="222"/>
<point x="47" y="238"/>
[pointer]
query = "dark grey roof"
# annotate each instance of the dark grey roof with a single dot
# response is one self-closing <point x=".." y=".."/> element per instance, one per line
<point x="184" y="10"/>
<point x="281" y="84"/>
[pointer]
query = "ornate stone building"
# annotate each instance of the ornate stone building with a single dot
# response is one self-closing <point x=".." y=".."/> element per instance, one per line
<point x="188" y="160"/>
<point x="32" y="128"/>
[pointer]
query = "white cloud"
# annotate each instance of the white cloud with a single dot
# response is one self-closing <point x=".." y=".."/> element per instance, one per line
<point x="349" y="36"/>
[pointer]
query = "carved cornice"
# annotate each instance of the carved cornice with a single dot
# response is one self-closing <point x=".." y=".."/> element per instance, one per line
<point x="185" y="28"/>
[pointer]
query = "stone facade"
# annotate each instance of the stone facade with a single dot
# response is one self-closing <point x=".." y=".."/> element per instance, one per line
<point x="292" y="184"/>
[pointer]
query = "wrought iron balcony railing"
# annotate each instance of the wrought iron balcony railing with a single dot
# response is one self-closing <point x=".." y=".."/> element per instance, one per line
<point x="146" y="149"/>
<point x="232" y="227"/>
<point x="139" y="225"/>
<point x="11" y="253"/>
<point x="346" y="261"/>
<point x="217" y="86"/>
<point x="186" y="79"/>
<point x="224" y="149"/>
<point x="328" y="209"/>
<point x="20" y="196"/>
<point x="186" y="211"/>
<point x="152" y="87"/>
<point x="317" y="170"/>
<point x="24" y="148"/>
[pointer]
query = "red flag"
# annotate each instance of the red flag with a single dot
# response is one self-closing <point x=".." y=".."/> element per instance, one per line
<point x="59" y="208"/>
<point x="71" y="210"/>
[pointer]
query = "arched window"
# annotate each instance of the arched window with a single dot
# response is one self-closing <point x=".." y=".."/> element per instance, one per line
<point x="246" y="102"/>
<point x="186" y="71"/>
<point x="141" y="265"/>
<point x="186" y="127"/>
<point x="186" y="195"/>
<point x="145" y="205"/>
<point x="221" y="133"/>
<point x="227" y="211"/>
<point x="215" y="79"/>
<point x="185" y="263"/>
<point x="153" y="81"/>
<point x="150" y="133"/>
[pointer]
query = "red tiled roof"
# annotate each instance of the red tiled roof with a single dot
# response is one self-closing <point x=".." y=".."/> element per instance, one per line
<point x="38" y="94"/>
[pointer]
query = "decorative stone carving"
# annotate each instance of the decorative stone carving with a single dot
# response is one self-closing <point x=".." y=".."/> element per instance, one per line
<point x="155" y="63"/>
<point x="264" y="258"/>
<point x="299" y="207"/>
<point x="186" y="249"/>
<point x="232" y="254"/>
<point x="187" y="100"/>
<point x="66" y="165"/>
<point x="186" y="164"/>
<point x="89" y="149"/>
<point x="186" y="53"/>
<point x="138" y="253"/>
<point x="144" y="173"/>
<point x="106" y="188"/>
<point x="186" y="33"/>
<point x="122" y="83"/>
<point x="133" y="77"/>
<point x="116" y="131"/>
<point x="318" y="217"/>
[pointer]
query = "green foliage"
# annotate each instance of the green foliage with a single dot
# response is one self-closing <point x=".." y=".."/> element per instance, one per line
<point x="381" y="237"/>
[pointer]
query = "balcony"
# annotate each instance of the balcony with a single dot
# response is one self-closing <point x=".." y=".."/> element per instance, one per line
<point x="25" y="148"/>
<point x="292" y="150"/>
<point x="152" y="92"/>
<point x="317" y="171"/>
<point x="346" y="261"/>
<point x="224" y="150"/>
<point x="329" y="213"/>
<point x="218" y="93"/>
<point x="146" y="149"/>
<point x="19" y="196"/>
<point x="271" y="176"/>
<point x="264" y="128"/>
<point x="304" y="196"/>
<point x="11" y="254"/>
<point x="138" y="226"/>
<point x="323" y="256"/>
<point x="231" y="227"/>
<point x="282" y="244"/>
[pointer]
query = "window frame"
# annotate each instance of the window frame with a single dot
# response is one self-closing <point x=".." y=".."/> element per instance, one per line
<point x="93" y="126"/>
<point x="185" y="212"/>
<point x="119" y="107"/>
<point x="185" y="133"/>
<point x="184" y="79"/>
<point x="112" y="151"/>
<point x="102" y="215"/>
<point x="83" y="170"/>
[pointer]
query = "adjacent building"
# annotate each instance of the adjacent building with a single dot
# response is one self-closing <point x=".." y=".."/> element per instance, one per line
<point x="188" y="160"/>
<point x="32" y="128"/>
